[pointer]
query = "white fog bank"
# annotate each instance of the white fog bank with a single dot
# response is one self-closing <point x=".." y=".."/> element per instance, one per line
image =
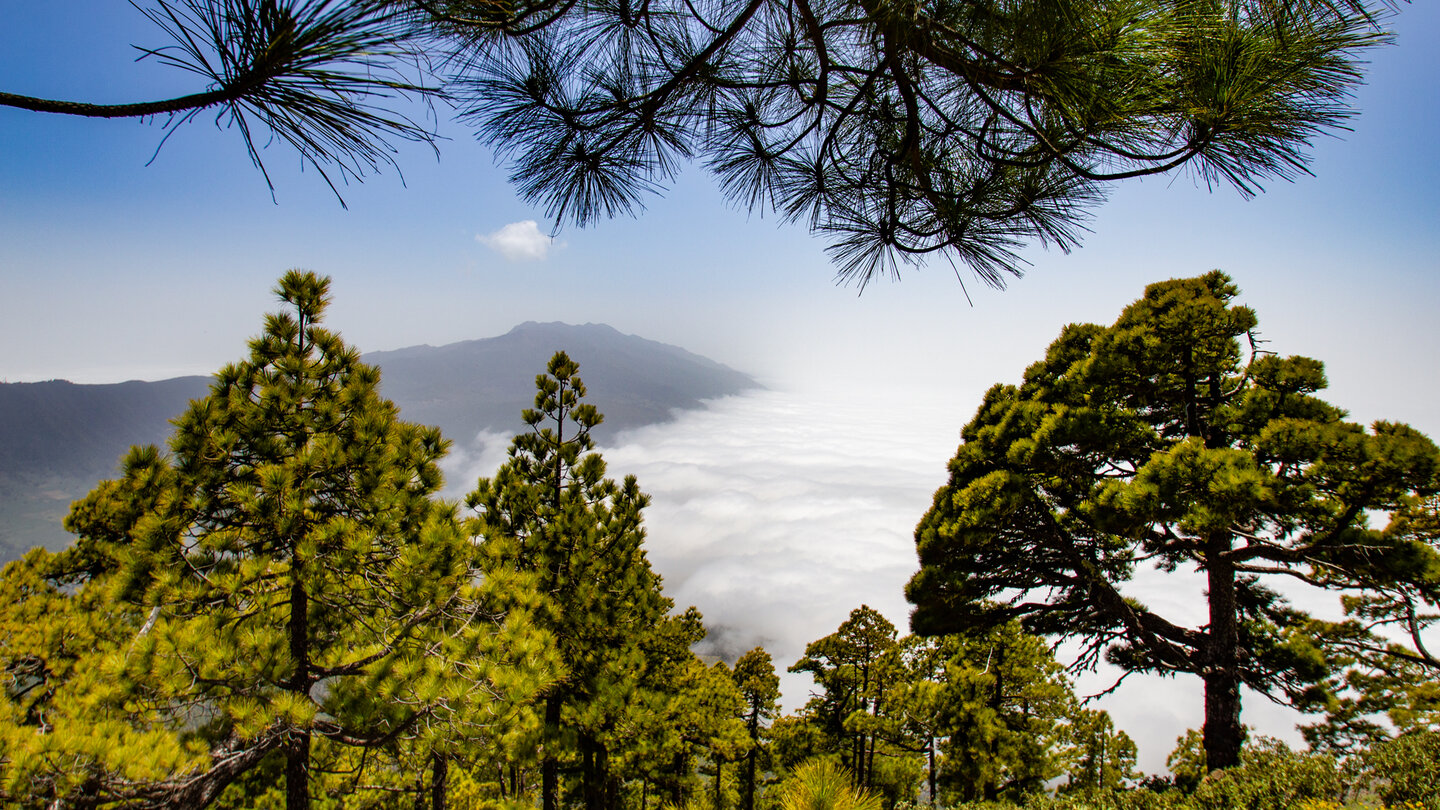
<point x="777" y="512"/>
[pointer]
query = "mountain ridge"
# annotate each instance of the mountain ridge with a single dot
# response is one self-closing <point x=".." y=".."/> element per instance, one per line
<point x="58" y="438"/>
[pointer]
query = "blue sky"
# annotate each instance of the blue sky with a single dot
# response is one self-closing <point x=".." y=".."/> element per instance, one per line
<point x="111" y="269"/>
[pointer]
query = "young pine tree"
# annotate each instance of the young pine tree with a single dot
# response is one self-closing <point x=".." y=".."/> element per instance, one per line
<point x="754" y="674"/>
<point x="1102" y="756"/>
<point x="1002" y="708"/>
<point x="550" y="511"/>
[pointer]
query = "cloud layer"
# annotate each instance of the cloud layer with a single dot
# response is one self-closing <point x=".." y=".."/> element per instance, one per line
<point x="773" y="513"/>
<point x="777" y="513"/>
<point x="518" y="242"/>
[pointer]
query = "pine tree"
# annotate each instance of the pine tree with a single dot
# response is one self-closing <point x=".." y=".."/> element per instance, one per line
<point x="70" y="731"/>
<point x="698" y="729"/>
<point x="1103" y="757"/>
<point x="916" y="711"/>
<point x="1003" y="702"/>
<point x="550" y="510"/>
<point x="896" y="129"/>
<point x="1381" y="665"/>
<point x="846" y="666"/>
<point x="1168" y="439"/>
<point x="296" y="582"/>
<point x="755" y="676"/>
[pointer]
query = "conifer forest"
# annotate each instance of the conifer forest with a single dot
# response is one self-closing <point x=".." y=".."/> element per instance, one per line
<point x="277" y="610"/>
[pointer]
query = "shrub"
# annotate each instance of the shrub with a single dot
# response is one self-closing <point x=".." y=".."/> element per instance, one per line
<point x="820" y="784"/>
<point x="1405" y="771"/>
<point x="1271" y="777"/>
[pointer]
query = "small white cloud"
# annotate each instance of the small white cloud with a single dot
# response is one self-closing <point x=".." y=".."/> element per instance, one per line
<point x="518" y="242"/>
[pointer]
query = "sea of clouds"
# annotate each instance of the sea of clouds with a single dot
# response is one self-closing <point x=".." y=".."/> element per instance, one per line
<point x="778" y="512"/>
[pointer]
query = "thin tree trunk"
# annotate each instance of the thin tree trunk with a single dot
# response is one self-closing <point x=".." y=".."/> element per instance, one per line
<point x="612" y="786"/>
<point x="439" y="777"/>
<point x="297" y="772"/>
<point x="297" y="751"/>
<point x="550" y="765"/>
<point x="1223" y="732"/>
<point x="930" y="754"/>
<point x="991" y="787"/>
<point x="591" y="780"/>
<point x="750" y="762"/>
<point x="587" y="775"/>
<point x="677" y="797"/>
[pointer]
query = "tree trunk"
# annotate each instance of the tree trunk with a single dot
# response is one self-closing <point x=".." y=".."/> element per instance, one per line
<point x="297" y="771"/>
<point x="592" y="778"/>
<point x="297" y="750"/>
<point x="439" y="777"/>
<point x="677" y="791"/>
<point x="550" y="765"/>
<point x="930" y="754"/>
<point x="595" y="774"/>
<point x="1223" y="733"/>
<point x="991" y="783"/>
<point x="750" y="761"/>
<point x="612" y="786"/>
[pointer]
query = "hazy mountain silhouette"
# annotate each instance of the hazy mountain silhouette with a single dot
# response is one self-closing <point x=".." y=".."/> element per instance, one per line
<point x="57" y="438"/>
<point x="484" y="384"/>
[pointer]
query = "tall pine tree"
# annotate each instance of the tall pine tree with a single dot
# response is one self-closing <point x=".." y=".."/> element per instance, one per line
<point x="297" y="580"/>
<point x="847" y="666"/>
<point x="1169" y="439"/>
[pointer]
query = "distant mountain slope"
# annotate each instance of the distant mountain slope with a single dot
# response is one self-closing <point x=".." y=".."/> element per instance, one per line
<point x="485" y="384"/>
<point x="57" y="439"/>
<point x="68" y="430"/>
